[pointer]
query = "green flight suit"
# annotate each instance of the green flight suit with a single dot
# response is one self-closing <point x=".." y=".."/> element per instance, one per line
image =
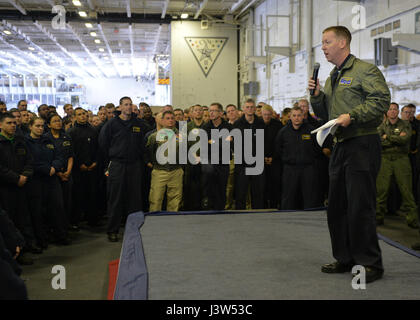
<point x="395" y="162"/>
<point x="165" y="177"/>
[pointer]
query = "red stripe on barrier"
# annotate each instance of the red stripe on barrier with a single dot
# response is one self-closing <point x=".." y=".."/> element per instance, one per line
<point x="113" y="274"/>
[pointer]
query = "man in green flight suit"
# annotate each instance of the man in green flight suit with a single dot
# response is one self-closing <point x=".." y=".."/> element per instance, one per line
<point x="165" y="176"/>
<point x="357" y="96"/>
<point x="395" y="139"/>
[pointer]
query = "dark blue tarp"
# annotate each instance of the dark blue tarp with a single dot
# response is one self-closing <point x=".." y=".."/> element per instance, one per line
<point x="132" y="280"/>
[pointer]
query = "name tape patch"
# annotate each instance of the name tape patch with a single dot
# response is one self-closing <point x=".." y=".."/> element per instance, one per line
<point x="306" y="137"/>
<point x="346" y="81"/>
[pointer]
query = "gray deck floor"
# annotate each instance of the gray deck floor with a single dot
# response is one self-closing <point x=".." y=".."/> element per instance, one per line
<point x="264" y="256"/>
<point x="259" y="256"/>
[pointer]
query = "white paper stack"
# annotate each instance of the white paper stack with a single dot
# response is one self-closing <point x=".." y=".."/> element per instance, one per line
<point x="322" y="132"/>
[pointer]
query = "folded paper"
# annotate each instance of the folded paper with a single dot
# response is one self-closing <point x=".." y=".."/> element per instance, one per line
<point x="322" y="132"/>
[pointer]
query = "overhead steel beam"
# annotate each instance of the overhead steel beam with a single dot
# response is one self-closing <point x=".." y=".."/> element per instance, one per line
<point x="31" y="56"/>
<point x="130" y="34"/>
<point x="168" y="46"/>
<point x="94" y="59"/>
<point x="18" y="6"/>
<point x="12" y="67"/>
<point x="200" y="9"/>
<point x="74" y="17"/>
<point x="246" y="7"/>
<point x="32" y="44"/>
<point x="128" y="5"/>
<point x="157" y="39"/>
<point x="71" y="55"/>
<point x="237" y="5"/>
<point x="165" y="7"/>
<point x="109" y="49"/>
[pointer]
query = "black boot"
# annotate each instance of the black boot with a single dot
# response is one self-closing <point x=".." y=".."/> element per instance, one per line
<point x="336" y="267"/>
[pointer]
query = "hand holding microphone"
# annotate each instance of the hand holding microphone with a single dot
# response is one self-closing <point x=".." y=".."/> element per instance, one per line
<point x="313" y="85"/>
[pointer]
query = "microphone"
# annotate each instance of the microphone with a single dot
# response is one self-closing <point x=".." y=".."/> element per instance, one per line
<point x="315" y="77"/>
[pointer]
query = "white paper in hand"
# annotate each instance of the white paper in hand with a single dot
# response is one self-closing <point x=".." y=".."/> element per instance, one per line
<point x="322" y="132"/>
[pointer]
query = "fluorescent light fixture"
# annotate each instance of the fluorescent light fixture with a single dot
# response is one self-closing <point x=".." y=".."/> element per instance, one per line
<point x="97" y="41"/>
<point x="7" y="32"/>
<point x="101" y="49"/>
<point x="77" y="3"/>
<point x="88" y="25"/>
<point x="184" y="16"/>
<point x="83" y="14"/>
<point x="93" y="34"/>
<point x="31" y="48"/>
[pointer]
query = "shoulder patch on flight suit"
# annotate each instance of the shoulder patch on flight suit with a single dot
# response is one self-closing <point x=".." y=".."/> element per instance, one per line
<point x="346" y="81"/>
<point x="306" y="137"/>
<point x="136" y="129"/>
<point x="50" y="146"/>
<point x="162" y="137"/>
<point x="21" y="152"/>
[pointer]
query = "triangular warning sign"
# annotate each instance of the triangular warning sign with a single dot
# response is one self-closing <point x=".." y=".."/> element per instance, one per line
<point x="206" y="50"/>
